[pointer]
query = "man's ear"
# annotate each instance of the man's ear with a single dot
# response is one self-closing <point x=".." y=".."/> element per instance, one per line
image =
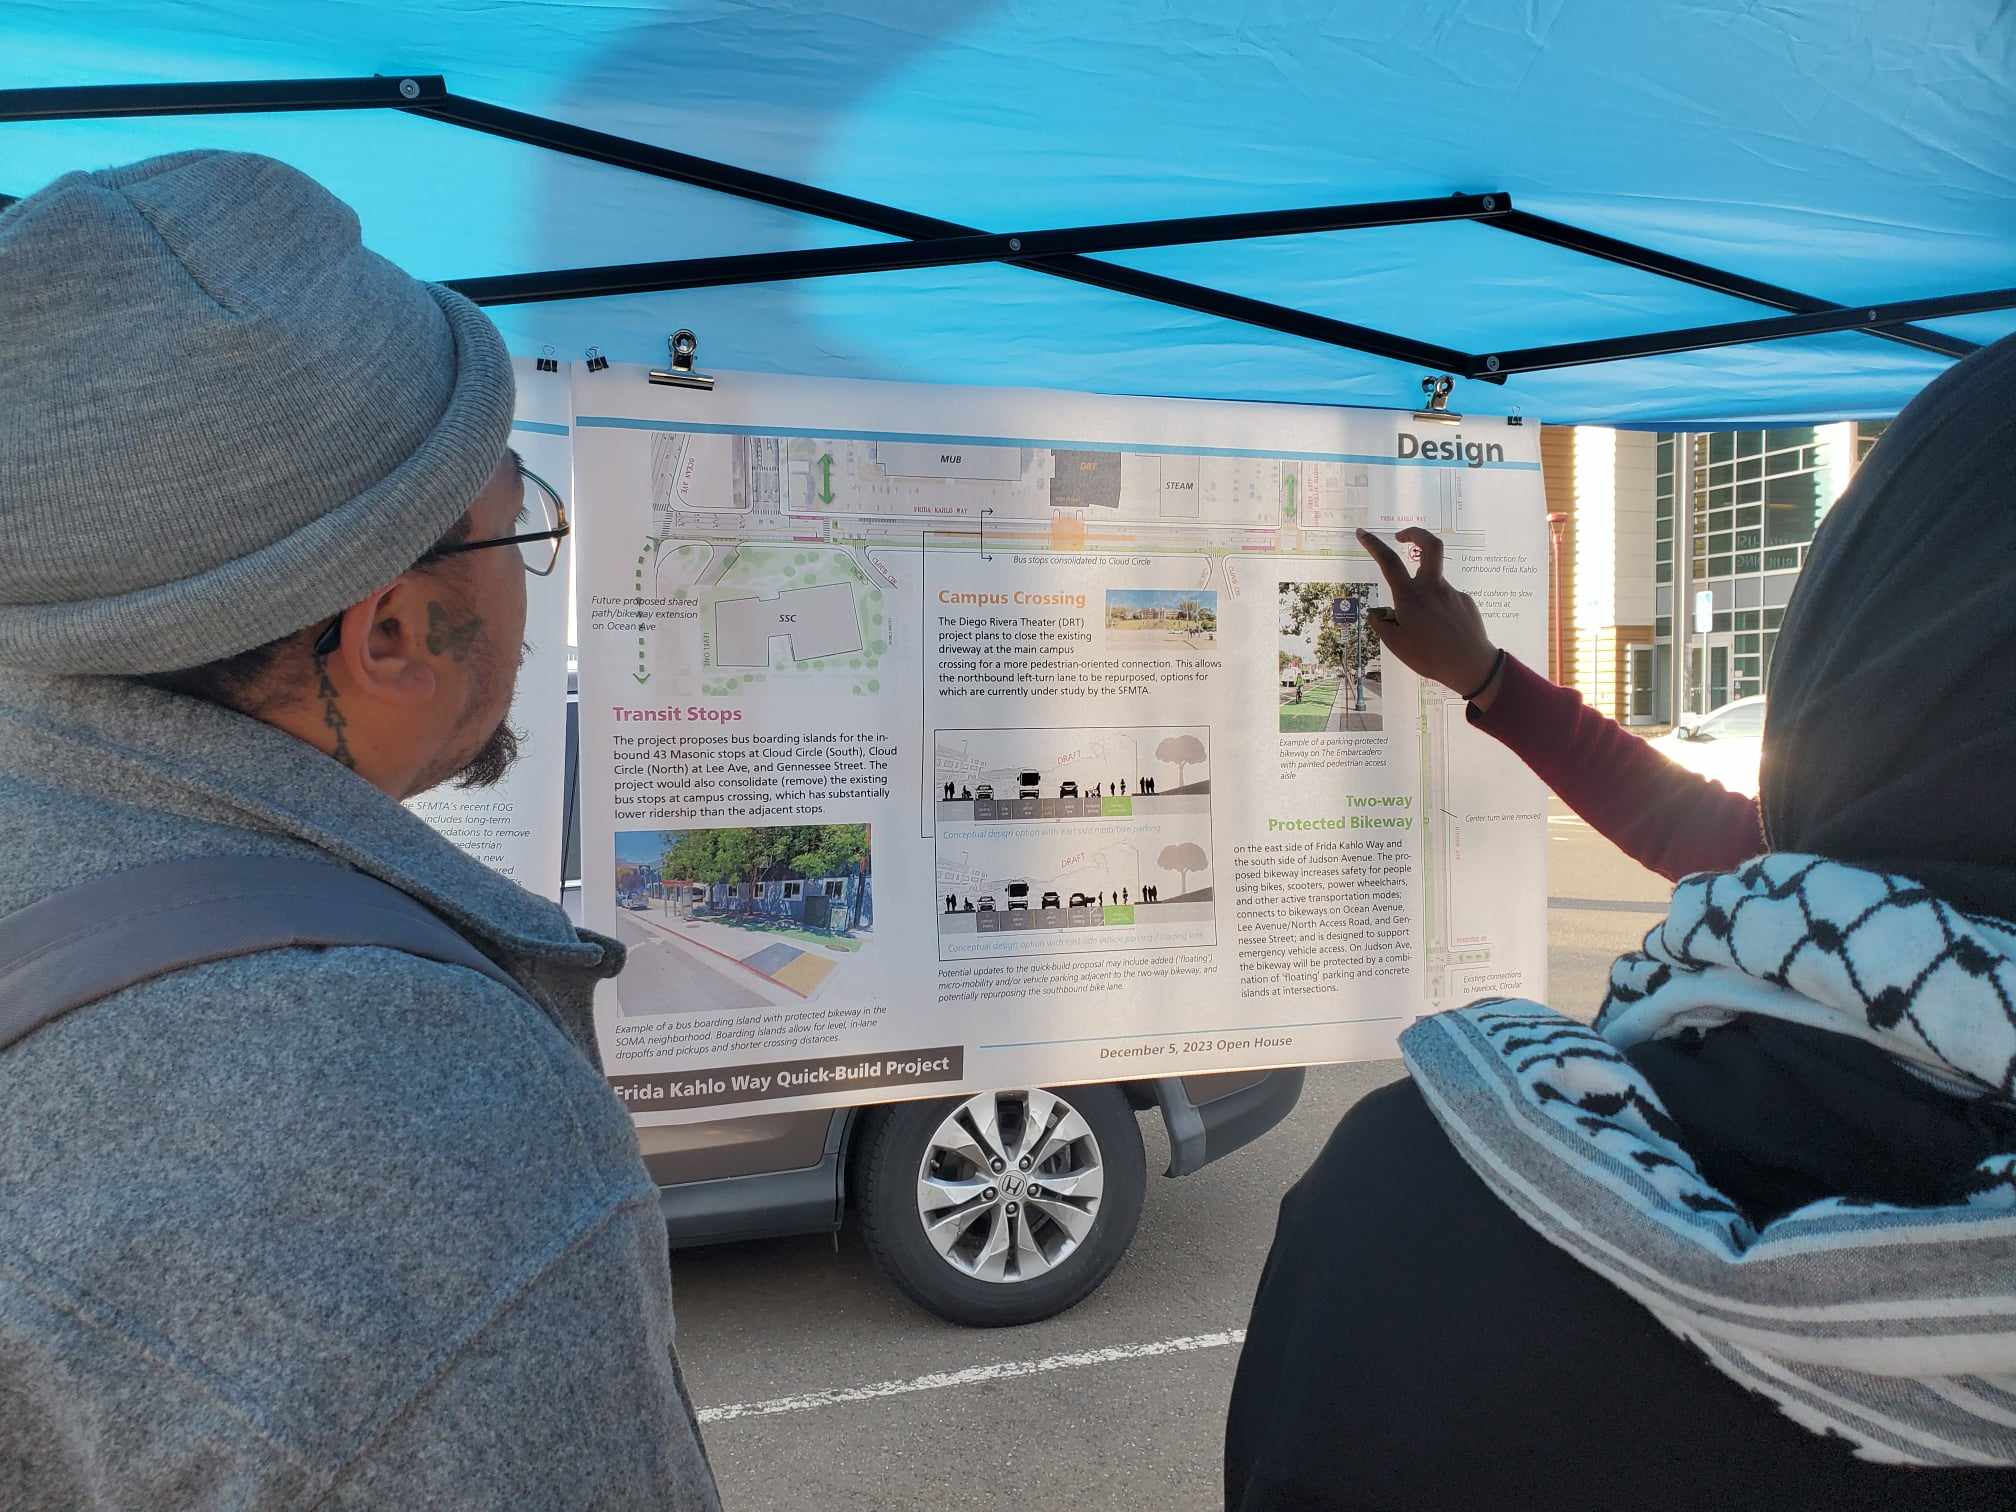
<point x="383" y="654"/>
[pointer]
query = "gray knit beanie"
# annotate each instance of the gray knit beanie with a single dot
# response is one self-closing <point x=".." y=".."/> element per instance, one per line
<point x="221" y="419"/>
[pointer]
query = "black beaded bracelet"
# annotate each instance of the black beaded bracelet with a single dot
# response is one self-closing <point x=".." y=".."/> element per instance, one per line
<point x="1496" y="662"/>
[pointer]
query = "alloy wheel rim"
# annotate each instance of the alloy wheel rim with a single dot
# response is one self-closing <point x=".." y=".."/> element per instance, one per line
<point x="1010" y="1185"/>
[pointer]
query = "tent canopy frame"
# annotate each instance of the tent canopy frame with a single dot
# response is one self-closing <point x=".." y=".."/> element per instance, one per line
<point x="925" y="241"/>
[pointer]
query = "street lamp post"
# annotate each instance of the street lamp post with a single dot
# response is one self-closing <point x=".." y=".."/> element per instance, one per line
<point x="1357" y="660"/>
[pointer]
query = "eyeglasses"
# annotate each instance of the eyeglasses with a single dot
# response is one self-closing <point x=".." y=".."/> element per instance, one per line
<point x="542" y="510"/>
<point x="538" y="547"/>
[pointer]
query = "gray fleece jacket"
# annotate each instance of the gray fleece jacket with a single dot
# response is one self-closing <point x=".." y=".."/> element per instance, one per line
<point x="315" y="1228"/>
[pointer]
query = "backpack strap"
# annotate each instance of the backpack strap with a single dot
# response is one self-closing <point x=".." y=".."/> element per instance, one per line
<point x="90" y="941"/>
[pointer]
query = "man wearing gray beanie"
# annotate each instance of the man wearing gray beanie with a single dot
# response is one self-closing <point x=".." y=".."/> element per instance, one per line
<point x="348" y="1219"/>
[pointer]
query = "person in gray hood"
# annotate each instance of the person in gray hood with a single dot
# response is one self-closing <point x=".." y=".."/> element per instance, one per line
<point x="329" y="1226"/>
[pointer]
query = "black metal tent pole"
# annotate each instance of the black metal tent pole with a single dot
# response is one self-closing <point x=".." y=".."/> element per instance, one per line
<point x="682" y="167"/>
<point x="83" y="102"/>
<point x="1871" y="318"/>
<point x="1702" y="276"/>
<point x="1015" y="247"/>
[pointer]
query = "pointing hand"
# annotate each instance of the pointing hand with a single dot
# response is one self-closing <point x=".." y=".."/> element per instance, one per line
<point x="1430" y="626"/>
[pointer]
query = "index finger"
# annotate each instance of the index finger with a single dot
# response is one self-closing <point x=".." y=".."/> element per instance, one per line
<point x="1388" y="561"/>
<point x="1430" y="546"/>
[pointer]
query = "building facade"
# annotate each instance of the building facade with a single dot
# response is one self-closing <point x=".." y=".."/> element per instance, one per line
<point x="1676" y="555"/>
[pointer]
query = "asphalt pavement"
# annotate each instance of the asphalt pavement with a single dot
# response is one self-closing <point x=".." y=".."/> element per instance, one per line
<point x="821" y="1385"/>
<point x="663" y="971"/>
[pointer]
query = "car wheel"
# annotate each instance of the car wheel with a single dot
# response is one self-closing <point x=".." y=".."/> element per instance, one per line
<point x="1004" y="1207"/>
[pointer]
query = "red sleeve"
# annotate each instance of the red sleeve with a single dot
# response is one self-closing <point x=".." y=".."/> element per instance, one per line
<point x="1661" y="815"/>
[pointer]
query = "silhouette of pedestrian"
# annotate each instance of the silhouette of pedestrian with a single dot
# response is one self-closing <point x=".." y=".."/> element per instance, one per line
<point x="969" y="905"/>
<point x="1123" y="895"/>
<point x="1123" y="787"/>
<point x="965" y="792"/>
<point x="948" y="790"/>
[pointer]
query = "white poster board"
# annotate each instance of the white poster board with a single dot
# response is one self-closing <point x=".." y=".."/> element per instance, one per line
<point x="516" y="826"/>
<point x="938" y="739"/>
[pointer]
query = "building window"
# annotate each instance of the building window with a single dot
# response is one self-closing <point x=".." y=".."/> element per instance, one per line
<point x="793" y="891"/>
<point x="1641" y="708"/>
<point x="1758" y="498"/>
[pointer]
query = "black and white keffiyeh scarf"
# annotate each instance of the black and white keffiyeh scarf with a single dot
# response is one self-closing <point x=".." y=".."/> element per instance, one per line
<point x="1893" y="1326"/>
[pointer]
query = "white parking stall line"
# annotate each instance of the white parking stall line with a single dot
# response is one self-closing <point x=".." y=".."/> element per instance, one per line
<point x="974" y="1375"/>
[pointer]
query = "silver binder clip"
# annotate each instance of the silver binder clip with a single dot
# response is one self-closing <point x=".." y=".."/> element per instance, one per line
<point x="683" y="345"/>
<point x="1437" y="386"/>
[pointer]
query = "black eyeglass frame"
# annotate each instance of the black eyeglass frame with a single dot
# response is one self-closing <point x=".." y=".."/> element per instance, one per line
<point x="559" y="532"/>
<point x="327" y="642"/>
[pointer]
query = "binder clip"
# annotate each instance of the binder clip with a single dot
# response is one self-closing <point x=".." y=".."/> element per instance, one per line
<point x="1515" y="418"/>
<point x="547" y="362"/>
<point x="683" y="345"/>
<point x="596" y="361"/>
<point x="1437" y="386"/>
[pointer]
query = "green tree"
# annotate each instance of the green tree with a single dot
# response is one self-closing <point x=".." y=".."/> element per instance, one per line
<point x="1302" y="602"/>
<point x="830" y="850"/>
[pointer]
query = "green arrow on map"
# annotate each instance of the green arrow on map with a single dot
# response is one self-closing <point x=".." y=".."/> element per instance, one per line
<point x="826" y="486"/>
<point x="650" y="553"/>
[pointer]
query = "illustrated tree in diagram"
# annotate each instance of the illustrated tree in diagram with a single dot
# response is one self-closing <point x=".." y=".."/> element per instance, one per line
<point x="1181" y="751"/>
<point x="1185" y="858"/>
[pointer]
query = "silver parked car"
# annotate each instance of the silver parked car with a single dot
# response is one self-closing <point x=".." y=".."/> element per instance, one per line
<point x="998" y="1208"/>
<point x="1726" y="744"/>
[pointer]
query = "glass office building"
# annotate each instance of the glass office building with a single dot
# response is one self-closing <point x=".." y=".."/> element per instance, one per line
<point x="1723" y="571"/>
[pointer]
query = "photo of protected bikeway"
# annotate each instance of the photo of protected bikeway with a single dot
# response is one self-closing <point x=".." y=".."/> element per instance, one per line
<point x="1328" y="706"/>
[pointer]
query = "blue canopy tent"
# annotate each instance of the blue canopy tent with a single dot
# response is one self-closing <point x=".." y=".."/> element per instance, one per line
<point x="1837" y="166"/>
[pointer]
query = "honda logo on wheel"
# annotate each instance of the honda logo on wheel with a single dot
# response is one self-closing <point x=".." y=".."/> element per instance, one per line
<point x="1012" y="1184"/>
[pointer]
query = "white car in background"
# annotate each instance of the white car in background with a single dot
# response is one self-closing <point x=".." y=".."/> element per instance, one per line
<point x="1724" y="744"/>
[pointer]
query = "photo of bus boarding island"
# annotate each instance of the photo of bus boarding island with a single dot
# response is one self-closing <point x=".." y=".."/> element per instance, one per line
<point x="740" y="917"/>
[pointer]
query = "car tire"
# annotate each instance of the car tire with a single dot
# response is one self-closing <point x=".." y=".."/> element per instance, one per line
<point x="1006" y="1259"/>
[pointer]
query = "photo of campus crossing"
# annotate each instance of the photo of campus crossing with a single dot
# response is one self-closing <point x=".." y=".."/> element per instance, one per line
<point x="1168" y="618"/>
